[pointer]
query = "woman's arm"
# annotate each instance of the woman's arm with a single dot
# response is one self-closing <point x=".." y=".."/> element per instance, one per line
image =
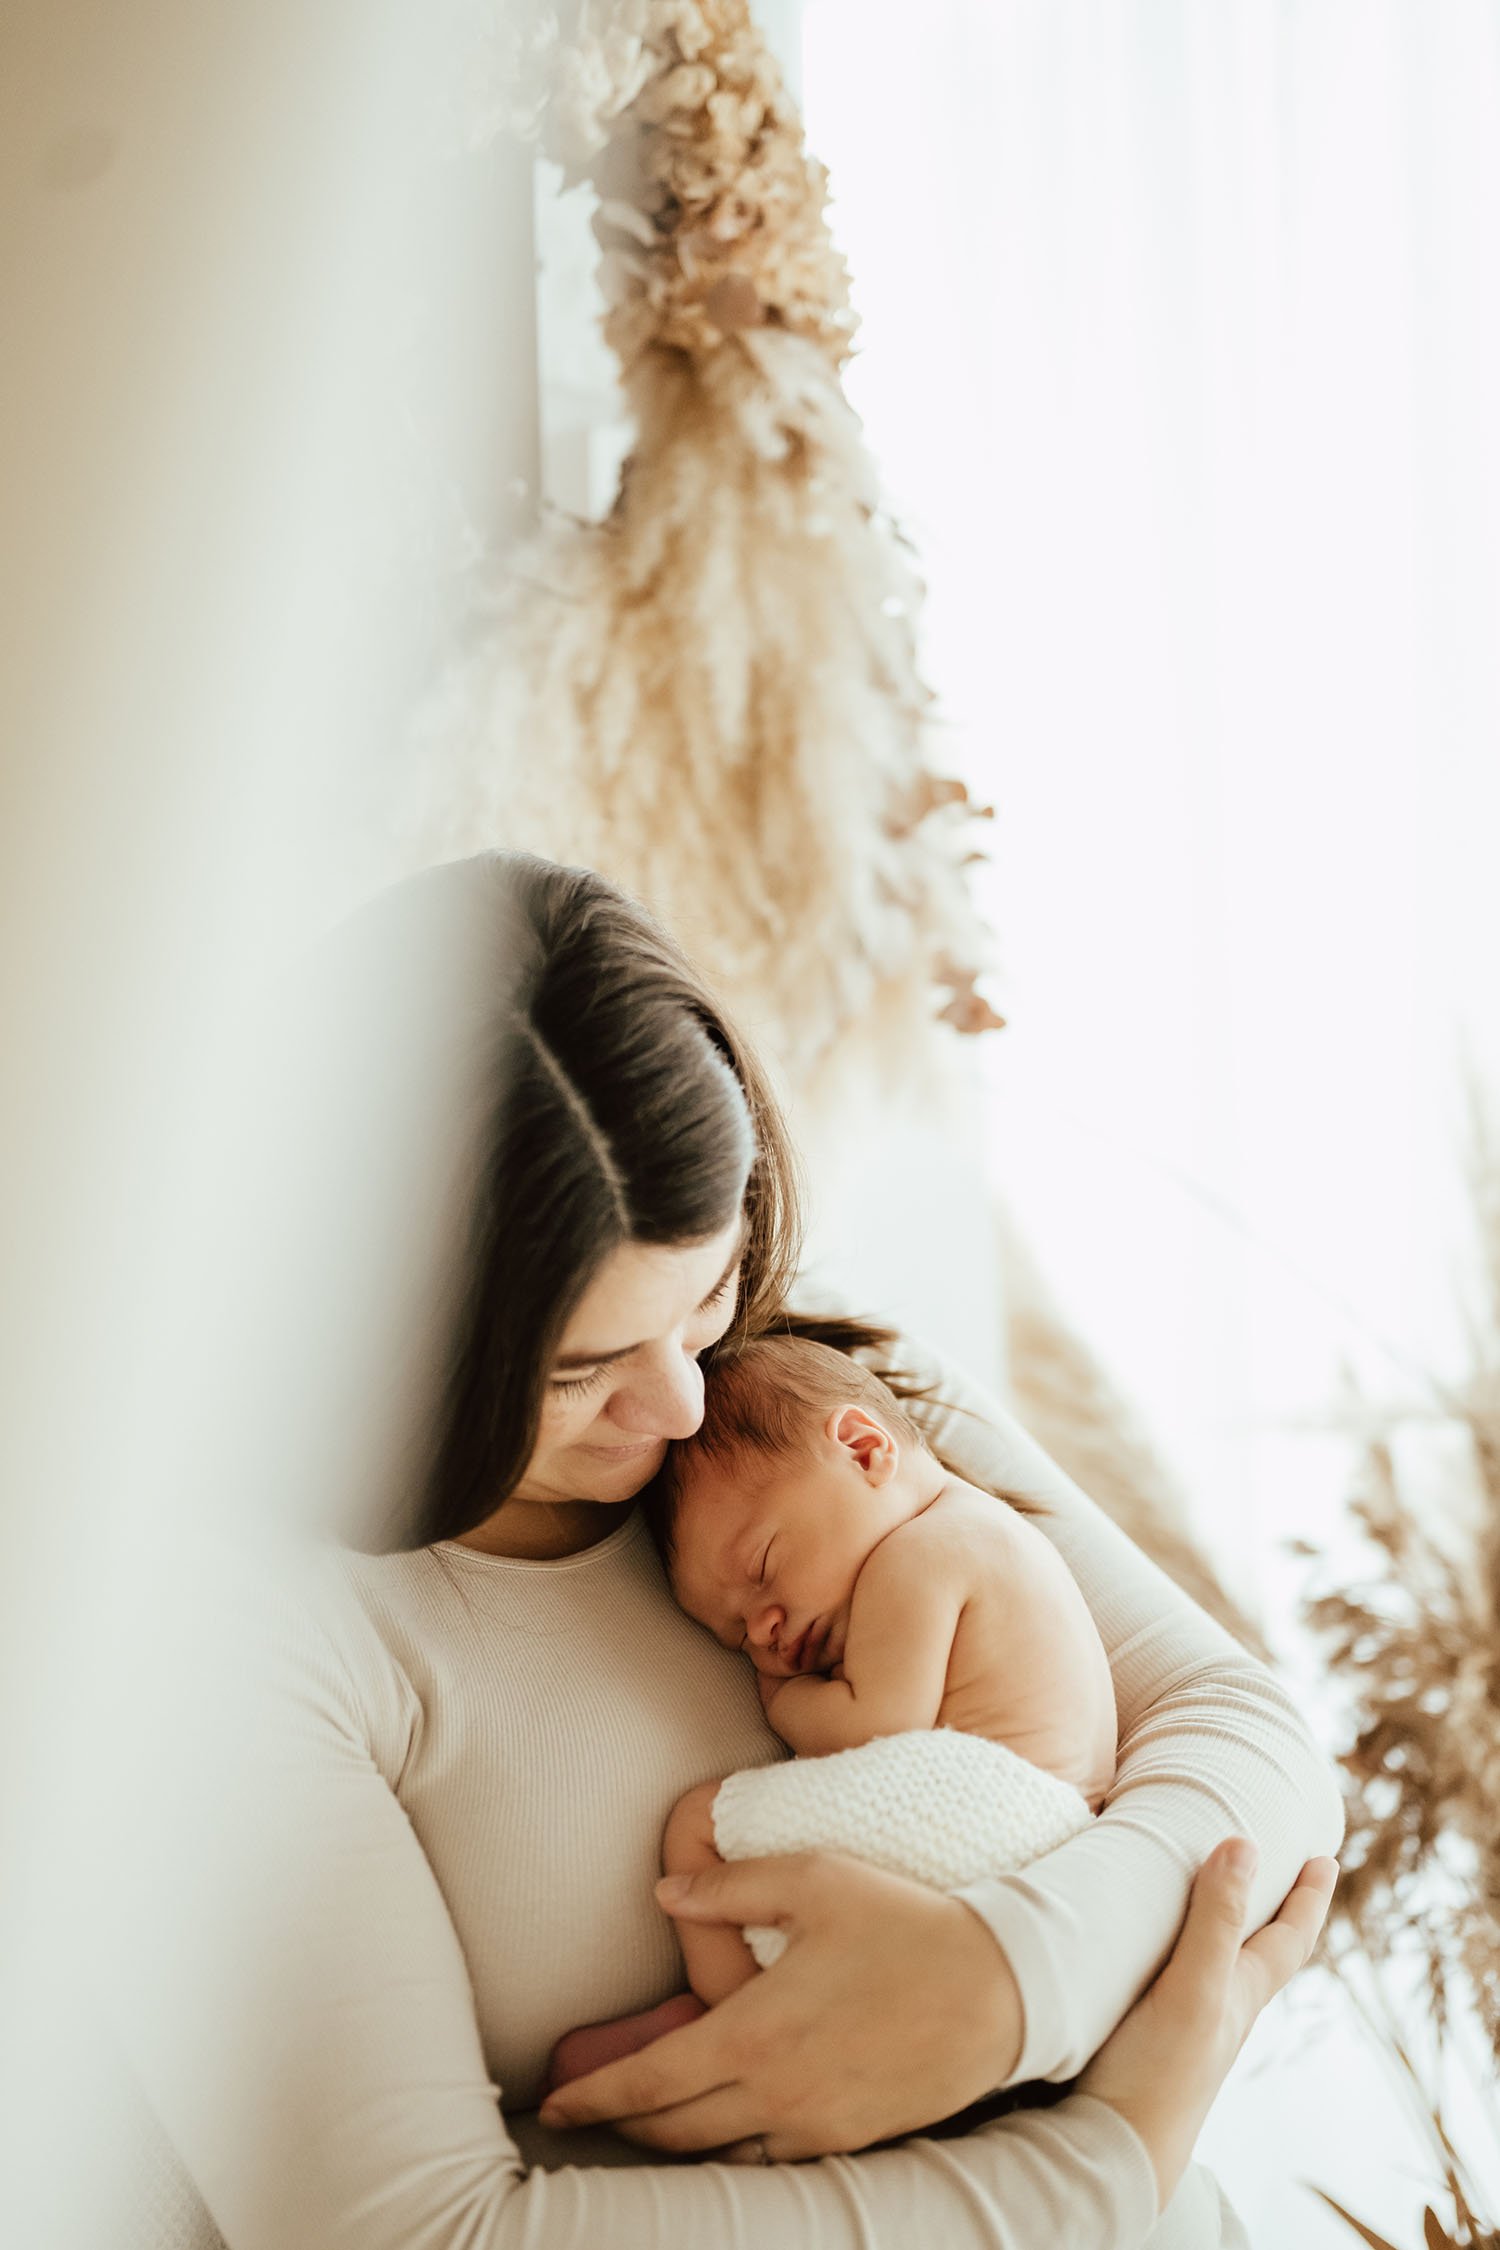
<point x="295" y="1997"/>
<point x="1210" y="1746"/>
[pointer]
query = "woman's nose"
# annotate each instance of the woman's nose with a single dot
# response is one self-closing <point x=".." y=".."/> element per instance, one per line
<point x="664" y="1400"/>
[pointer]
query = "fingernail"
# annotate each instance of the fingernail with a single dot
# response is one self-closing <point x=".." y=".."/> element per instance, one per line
<point x="673" y="1889"/>
<point x="1240" y="1858"/>
<point x="551" y="2114"/>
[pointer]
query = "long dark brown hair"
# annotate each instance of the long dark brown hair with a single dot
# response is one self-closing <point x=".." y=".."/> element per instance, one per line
<point x="623" y="1107"/>
<point x="486" y="1080"/>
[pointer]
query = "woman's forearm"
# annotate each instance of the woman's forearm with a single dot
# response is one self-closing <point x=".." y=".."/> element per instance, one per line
<point x="300" y="2015"/>
<point x="1210" y="1745"/>
<point x="1222" y="1752"/>
<point x="1075" y="2173"/>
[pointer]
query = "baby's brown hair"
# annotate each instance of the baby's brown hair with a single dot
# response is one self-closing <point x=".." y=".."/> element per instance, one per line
<point x="768" y="1395"/>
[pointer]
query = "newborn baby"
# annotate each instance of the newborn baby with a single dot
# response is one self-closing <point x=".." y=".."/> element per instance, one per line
<point x="919" y="1644"/>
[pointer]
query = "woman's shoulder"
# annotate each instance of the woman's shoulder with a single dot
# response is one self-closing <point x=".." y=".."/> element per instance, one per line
<point x="309" y="1630"/>
<point x="974" y="1431"/>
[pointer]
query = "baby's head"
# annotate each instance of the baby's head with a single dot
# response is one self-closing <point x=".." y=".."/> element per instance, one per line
<point x="767" y="1516"/>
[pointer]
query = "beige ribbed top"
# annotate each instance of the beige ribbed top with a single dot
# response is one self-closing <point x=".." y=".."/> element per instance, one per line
<point x="455" y="1824"/>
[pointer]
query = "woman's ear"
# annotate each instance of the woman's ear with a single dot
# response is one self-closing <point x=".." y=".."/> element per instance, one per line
<point x="867" y="1441"/>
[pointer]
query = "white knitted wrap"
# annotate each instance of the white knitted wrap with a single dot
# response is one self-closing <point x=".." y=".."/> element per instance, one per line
<point x="944" y="1808"/>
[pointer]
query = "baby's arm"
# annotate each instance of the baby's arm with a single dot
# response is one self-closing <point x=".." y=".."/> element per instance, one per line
<point x="1028" y="1666"/>
<point x="905" y="1611"/>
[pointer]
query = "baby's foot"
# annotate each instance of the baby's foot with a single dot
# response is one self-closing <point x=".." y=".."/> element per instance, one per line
<point x="595" y="2044"/>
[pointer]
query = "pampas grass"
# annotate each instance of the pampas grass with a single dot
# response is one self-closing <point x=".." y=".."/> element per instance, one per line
<point x="713" y="696"/>
<point x="1414" y="1646"/>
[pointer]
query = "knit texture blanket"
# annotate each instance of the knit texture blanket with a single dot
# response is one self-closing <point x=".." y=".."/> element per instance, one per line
<point x="944" y="1808"/>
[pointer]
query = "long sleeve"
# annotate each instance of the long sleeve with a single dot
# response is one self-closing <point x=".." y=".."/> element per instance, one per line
<point x="1210" y="1746"/>
<point x="301" y="2014"/>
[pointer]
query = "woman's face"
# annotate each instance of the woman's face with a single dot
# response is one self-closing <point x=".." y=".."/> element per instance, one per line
<point x="625" y="1379"/>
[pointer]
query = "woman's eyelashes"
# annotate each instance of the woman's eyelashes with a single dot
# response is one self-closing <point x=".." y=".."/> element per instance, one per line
<point x="721" y="1302"/>
<point x="574" y="1386"/>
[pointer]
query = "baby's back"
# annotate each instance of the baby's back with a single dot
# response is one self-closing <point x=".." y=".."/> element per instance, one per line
<point x="1027" y="1666"/>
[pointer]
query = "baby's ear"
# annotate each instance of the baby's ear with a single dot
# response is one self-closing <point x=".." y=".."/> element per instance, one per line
<point x="868" y="1441"/>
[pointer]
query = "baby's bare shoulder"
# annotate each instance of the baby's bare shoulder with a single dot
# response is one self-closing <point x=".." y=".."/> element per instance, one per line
<point x="964" y="1512"/>
<point x="995" y="1538"/>
<point x="930" y="1546"/>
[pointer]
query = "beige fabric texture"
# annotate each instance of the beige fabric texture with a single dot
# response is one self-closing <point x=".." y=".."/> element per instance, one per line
<point x="438" y="1855"/>
<point x="946" y="1809"/>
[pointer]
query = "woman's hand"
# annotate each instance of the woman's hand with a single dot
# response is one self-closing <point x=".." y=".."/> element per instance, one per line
<point x="892" y="2007"/>
<point x="1163" y="2065"/>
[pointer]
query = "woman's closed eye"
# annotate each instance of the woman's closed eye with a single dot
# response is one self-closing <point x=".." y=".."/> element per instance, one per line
<point x="574" y="1386"/>
<point x="720" y="1302"/>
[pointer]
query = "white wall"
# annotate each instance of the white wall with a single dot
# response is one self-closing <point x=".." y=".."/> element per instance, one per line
<point x="250" y="413"/>
<point x="1181" y="336"/>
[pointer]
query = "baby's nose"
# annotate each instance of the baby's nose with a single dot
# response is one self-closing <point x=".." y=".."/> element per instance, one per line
<point x="764" y="1626"/>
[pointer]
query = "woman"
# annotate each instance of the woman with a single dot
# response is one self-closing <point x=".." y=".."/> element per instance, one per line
<point x="449" y="1838"/>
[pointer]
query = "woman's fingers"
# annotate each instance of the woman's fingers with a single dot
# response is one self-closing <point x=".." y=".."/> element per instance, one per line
<point x="838" y="2045"/>
<point x="1167" y="2058"/>
<point x="1209" y="1954"/>
<point x="1208" y="1944"/>
<point x="698" y="2060"/>
<point x="761" y="1891"/>
<point x="1285" y="1944"/>
<point x="713" y="2121"/>
<point x="680" y="2067"/>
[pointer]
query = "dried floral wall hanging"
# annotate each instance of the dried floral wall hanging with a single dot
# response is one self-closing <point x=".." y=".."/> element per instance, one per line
<point x="713" y="694"/>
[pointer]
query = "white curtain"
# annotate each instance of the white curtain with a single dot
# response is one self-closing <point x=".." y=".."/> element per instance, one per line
<point x="1181" y="353"/>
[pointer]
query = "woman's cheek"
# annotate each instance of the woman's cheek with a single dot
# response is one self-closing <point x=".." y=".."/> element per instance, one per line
<point x="564" y="1419"/>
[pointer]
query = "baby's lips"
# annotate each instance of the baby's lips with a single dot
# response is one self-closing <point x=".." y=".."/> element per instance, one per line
<point x="812" y="1648"/>
<point x="792" y="1657"/>
<point x="773" y="1663"/>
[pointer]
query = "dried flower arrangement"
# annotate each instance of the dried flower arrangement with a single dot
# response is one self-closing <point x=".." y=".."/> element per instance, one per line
<point x="713" y="695"/>
<point x="1416" y="1649"/>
